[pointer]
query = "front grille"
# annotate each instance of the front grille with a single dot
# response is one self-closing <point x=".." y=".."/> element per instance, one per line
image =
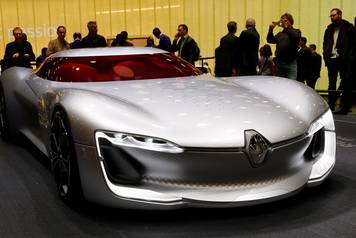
<point x="215" y="168"/>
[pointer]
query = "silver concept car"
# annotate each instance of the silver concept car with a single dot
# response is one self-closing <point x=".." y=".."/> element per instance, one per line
<point x="140" y="128"/>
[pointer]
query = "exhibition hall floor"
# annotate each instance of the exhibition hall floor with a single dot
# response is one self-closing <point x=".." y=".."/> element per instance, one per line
<point x="30" y="207"/>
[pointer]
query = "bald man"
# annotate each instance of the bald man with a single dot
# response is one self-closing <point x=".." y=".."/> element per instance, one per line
<point x="58" y="44"/>
<point x="249" y="45"/>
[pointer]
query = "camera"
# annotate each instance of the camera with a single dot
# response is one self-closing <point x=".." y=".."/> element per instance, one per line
<point x="277" y="23"/>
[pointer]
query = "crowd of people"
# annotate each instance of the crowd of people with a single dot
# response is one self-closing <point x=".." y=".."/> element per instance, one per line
<point x="293" y="59"/>
<point x="235" y="55"/>
<point x="20" y="53"/>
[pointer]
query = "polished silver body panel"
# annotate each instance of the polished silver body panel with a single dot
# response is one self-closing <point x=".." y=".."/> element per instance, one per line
<point x="205" y="116"/>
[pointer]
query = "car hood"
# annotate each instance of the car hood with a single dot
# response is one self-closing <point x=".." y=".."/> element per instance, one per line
<point x="208" y="112"/>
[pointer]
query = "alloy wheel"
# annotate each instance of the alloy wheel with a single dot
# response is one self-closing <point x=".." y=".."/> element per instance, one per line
<point x="3" y="117"/>
<point x="61" y="152"/>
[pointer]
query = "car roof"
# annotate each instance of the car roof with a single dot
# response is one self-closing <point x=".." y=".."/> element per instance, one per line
<point x="107" y="51"/>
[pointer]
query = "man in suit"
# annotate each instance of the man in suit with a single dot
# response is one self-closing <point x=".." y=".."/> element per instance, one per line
<point x="164" y="40"/>
<point x="315" y="66"/>
<point x="185" y="45"/>
<point x="226" y="55"/>
<point x="249" y="45"/>
<point x="303" y="61"/>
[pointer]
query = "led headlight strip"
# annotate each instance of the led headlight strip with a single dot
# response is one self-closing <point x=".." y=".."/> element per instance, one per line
<point x="326" y="121"/>
<point x="138" y="141"/>
<point x="324" y="163"/>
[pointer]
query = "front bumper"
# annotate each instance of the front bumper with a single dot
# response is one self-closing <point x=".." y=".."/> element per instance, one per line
<point x="202" y="178"/>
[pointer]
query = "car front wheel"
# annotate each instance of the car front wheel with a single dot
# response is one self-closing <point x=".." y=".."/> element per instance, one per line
<point x="4" y="125"/>
<point x="64" y="164"/>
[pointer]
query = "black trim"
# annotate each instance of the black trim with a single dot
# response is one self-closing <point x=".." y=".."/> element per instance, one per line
<point x="120" y="167"/>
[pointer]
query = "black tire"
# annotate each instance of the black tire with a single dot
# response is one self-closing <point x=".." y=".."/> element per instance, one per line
<point x="63" y="160"/>
<point x="4" y="123"/>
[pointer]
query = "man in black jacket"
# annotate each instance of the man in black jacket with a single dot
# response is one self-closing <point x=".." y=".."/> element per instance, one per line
<point x="226" y="54"/>
<point x="287" y="42"/>
<point x="303" y="61"/>
<point x="19" y="52"/>
<point x="164" y="40"/>
<point x="93" y="39"/>
<point x="186" y="46"/>
<point x="349" y="82"/>
<point x="335" y="50"/>
<point x="249" y="46"/>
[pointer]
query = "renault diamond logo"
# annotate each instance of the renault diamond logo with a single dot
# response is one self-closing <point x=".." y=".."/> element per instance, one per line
<point x="256" y="147"/>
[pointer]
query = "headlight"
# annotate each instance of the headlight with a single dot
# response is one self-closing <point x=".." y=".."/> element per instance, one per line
<point x="326" y="121"/>
<point x="139" y="141"/>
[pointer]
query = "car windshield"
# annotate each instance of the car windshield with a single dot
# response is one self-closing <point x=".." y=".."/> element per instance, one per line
<point x="117" y="67"/>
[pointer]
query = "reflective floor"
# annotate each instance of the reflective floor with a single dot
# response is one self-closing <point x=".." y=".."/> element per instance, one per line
<point x="29" y="205"/>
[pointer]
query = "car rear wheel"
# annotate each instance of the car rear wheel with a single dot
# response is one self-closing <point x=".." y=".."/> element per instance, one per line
<point x="64" y="163"/>
<point x="4" y="125"/>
